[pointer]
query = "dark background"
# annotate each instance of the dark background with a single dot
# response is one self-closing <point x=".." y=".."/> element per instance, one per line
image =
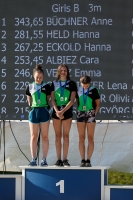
<point x="23" y="35"/>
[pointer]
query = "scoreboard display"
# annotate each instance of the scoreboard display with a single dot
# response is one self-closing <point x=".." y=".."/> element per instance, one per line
<point x="91" y="37"/>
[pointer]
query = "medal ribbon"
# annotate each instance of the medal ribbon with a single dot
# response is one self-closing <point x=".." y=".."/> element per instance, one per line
<point x="38" y="91"/>
<point x="62" y="88"/>
<point x="85" y="95"/>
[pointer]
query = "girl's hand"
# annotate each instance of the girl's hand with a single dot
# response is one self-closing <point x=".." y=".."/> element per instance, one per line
<point x="59" y="114"/>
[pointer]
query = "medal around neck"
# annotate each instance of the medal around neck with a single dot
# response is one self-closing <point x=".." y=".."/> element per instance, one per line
<point x="38" y="101"/>
<point x="62" y="90"/>
<point x="61" y="98"/>
<point x="85" y="97"/>
<point x="84" y="108"/>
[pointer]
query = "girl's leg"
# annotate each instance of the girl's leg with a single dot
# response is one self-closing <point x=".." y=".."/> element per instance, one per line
<point x="33" y="138"/>
<point x="90" y="133"/>
<point x="45" y="140"/>
<point x="81" y="130"/>
<point x="66" y="129"/>
<point x="58" y="135"/>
